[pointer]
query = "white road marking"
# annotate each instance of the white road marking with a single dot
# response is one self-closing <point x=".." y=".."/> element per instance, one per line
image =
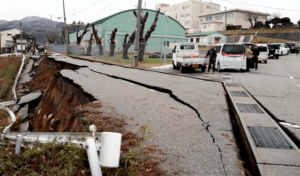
<point x="291" y="77"/>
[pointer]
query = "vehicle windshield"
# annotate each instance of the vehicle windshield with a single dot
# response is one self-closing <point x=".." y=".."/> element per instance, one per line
<point x="187" y="47"/>
<point x="273" y="47"/>
<point x="290" y="44"/>
<point x="262" y="48"/>
<point x="234" y="49"/>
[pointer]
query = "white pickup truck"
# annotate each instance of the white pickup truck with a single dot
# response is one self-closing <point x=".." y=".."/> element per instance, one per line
<point x="186" y="56"/>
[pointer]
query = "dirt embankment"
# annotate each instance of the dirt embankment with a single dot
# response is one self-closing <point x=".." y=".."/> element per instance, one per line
<point x="59" y="100"/>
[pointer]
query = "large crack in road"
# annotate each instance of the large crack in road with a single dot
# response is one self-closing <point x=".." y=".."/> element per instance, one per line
<point x="168" y="91"/>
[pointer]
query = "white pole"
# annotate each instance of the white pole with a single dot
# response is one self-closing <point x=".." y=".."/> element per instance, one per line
<point x="91" y="151"/>
<point x="18" y="144"/>
<point x="165" y="40"/>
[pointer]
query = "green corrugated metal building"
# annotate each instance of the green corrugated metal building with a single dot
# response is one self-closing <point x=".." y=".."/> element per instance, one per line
<point x="125" y="21"/>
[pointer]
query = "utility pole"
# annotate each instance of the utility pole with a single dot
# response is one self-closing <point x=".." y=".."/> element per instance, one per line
<point x="66" y="33"/>
<point x="137" y="34"/>
<point x="225" y="20"/>
<point x="21" y="37"/>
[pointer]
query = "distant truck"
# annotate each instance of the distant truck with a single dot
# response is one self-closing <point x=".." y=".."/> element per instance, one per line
<point x="186" y="56"/>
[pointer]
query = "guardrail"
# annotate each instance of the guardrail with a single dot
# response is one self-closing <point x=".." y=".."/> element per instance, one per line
<point x="17" y="78"/>
<point x="105" y="153"/>
<point x="9" y="55"/>
<point x="13" y="119"/>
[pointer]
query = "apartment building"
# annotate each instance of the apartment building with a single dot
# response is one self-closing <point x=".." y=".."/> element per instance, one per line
<point x="218" y="21"/>
<point x="186" y="13"/>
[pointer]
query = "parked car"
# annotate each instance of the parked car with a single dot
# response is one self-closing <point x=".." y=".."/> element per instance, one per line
<point x="284" y="49"/>
<point x="231" y="56"/>
<point x="263" y="53"/>
<point x="186" y="56"/>
<point x="248" y="44"/>
<point x="155" y="55"/>
<point x="292" y="47"/>
<point x="274" y="50"/>
<point x="169" y="55"/>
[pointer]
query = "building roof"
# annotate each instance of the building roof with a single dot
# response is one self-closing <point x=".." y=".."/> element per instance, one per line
<point x="204" y="34"/>
<point x="234" y="10"/>
<point x="108" y="17"/>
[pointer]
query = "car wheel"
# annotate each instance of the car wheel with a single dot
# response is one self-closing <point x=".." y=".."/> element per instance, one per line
<point x="181" y="69"/>
<point x="203" y="68"/>
<point x="174" y="66"/>
<point x="266" y="62"/>
<point x="219" y="67"/>
<point x="288" y="53"/>
<point x="277" y="57"/>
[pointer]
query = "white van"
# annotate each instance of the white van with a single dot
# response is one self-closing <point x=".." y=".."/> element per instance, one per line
<point x="231" y="56"/>
<point x="263" y="53"/>
<point x="284" y="49"/>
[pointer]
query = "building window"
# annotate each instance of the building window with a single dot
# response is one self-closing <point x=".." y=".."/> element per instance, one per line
<point x="201" y="20"/>
<point x="204" y="27"/>
<point x="219" y="17"/>
<point x="208" y="7"/>
<point x="229" y="24"/>
<point x="174" y="10"/>
<point x="187" y="23"/>
<point x="188" y="14"/>
<point x="176" y="16"/>
<point x="8" y="34"/>
<point x="191" y="40"/>
<point x="229" y="15"/>
<point x="181" y="16"/>
<point x="188" y="7"/>
<point x="197" y="40"/>
<point x="209" y="18"/>
<point x="183" y="8"/>
<point x="170" y="11"/>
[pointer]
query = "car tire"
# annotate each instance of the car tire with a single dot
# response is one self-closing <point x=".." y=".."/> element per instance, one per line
<point x="266" y="62"/>
<point x="219" y="68"/>
<point x="181" y="69"/>
<point x="203" y="69"/>
<point x="277" y="57"/>
<point x="288" y="53"/>
<point x="174" y="66"/>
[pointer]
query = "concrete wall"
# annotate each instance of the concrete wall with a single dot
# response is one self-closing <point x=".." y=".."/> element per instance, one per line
<point x="286" y="36"/>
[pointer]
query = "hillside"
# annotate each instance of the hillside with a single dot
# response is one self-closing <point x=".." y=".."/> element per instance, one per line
<point x="36" y="26"/>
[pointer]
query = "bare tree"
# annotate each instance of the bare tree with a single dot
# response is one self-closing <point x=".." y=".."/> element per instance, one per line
<point x="249" y="17"/>
<point x="70" y="27"/>
<point x="255" y="18"/>
<point x="51" y="38"/>
<point x="275" y="15"/>
<point x="98" y="40"/>
<point x="79" y="37"/>
<point x="112" y="42"/>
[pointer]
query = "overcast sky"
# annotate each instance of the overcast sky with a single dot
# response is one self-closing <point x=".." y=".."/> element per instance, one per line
<point x="92" y="10"/>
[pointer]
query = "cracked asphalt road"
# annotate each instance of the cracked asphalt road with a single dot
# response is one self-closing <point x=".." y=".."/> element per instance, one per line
<point x="196" y="147"/>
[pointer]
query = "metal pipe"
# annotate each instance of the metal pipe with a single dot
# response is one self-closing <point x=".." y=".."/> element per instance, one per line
<point x="13" y="119"/>
<point x="92" y="156"/>
<point x="18" y="144"/>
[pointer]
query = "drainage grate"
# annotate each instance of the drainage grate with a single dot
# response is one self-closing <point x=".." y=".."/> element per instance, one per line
<point x="226" y="74"/>
<point x="232" y="85"/>
<point x="249" y="108"/>
<point x="239" y="94"/>
<point x="269" y="137"/>
<point x="226" y="78"/>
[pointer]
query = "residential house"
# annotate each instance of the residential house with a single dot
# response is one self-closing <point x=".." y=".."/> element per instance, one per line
<point x="6" y="36"/>
<point x="218" y="21"/>
<point x="26" y="42"/>
<point x="206" y="38"/>
<point x="186" y="13"/>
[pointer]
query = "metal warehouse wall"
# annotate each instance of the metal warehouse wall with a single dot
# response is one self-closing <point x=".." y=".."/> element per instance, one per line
<point x="125" y="22"/>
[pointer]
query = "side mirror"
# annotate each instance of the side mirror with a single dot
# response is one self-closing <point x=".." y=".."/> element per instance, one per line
<point x="173" y="51"/>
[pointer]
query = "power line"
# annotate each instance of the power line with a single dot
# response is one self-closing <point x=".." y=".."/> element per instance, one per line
<point x="14" y="10"/>
<point x="76" y="8"/>
<point x="101" y="10"/>
<point x="267" y="7"/>
<point x="31" y="9"/>
<point x="83" y="9"/>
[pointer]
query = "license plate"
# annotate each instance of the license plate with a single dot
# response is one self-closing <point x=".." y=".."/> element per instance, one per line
<point x="260" y="59"/>
<point x="195" y="65"/>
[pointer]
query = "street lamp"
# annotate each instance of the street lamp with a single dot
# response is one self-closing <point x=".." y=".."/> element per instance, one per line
<point x="165" y="43"/>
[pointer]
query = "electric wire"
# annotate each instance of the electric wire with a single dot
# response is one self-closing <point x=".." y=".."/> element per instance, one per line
<point x="83" y="9"/>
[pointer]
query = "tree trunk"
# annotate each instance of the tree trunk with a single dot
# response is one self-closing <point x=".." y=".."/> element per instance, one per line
<point x="125" y="51"/>
<point x="112" y="50"/>
<point x="89" y="49"/>
<point x="142" y="48"/>
<point x="100" y="50"/>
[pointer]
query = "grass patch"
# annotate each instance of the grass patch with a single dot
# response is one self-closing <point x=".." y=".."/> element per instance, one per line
<point x="259" y="39"/>
<point x="262" y="30"/>
<point x="8" y="70"/>
<point x="118" y="58"/>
